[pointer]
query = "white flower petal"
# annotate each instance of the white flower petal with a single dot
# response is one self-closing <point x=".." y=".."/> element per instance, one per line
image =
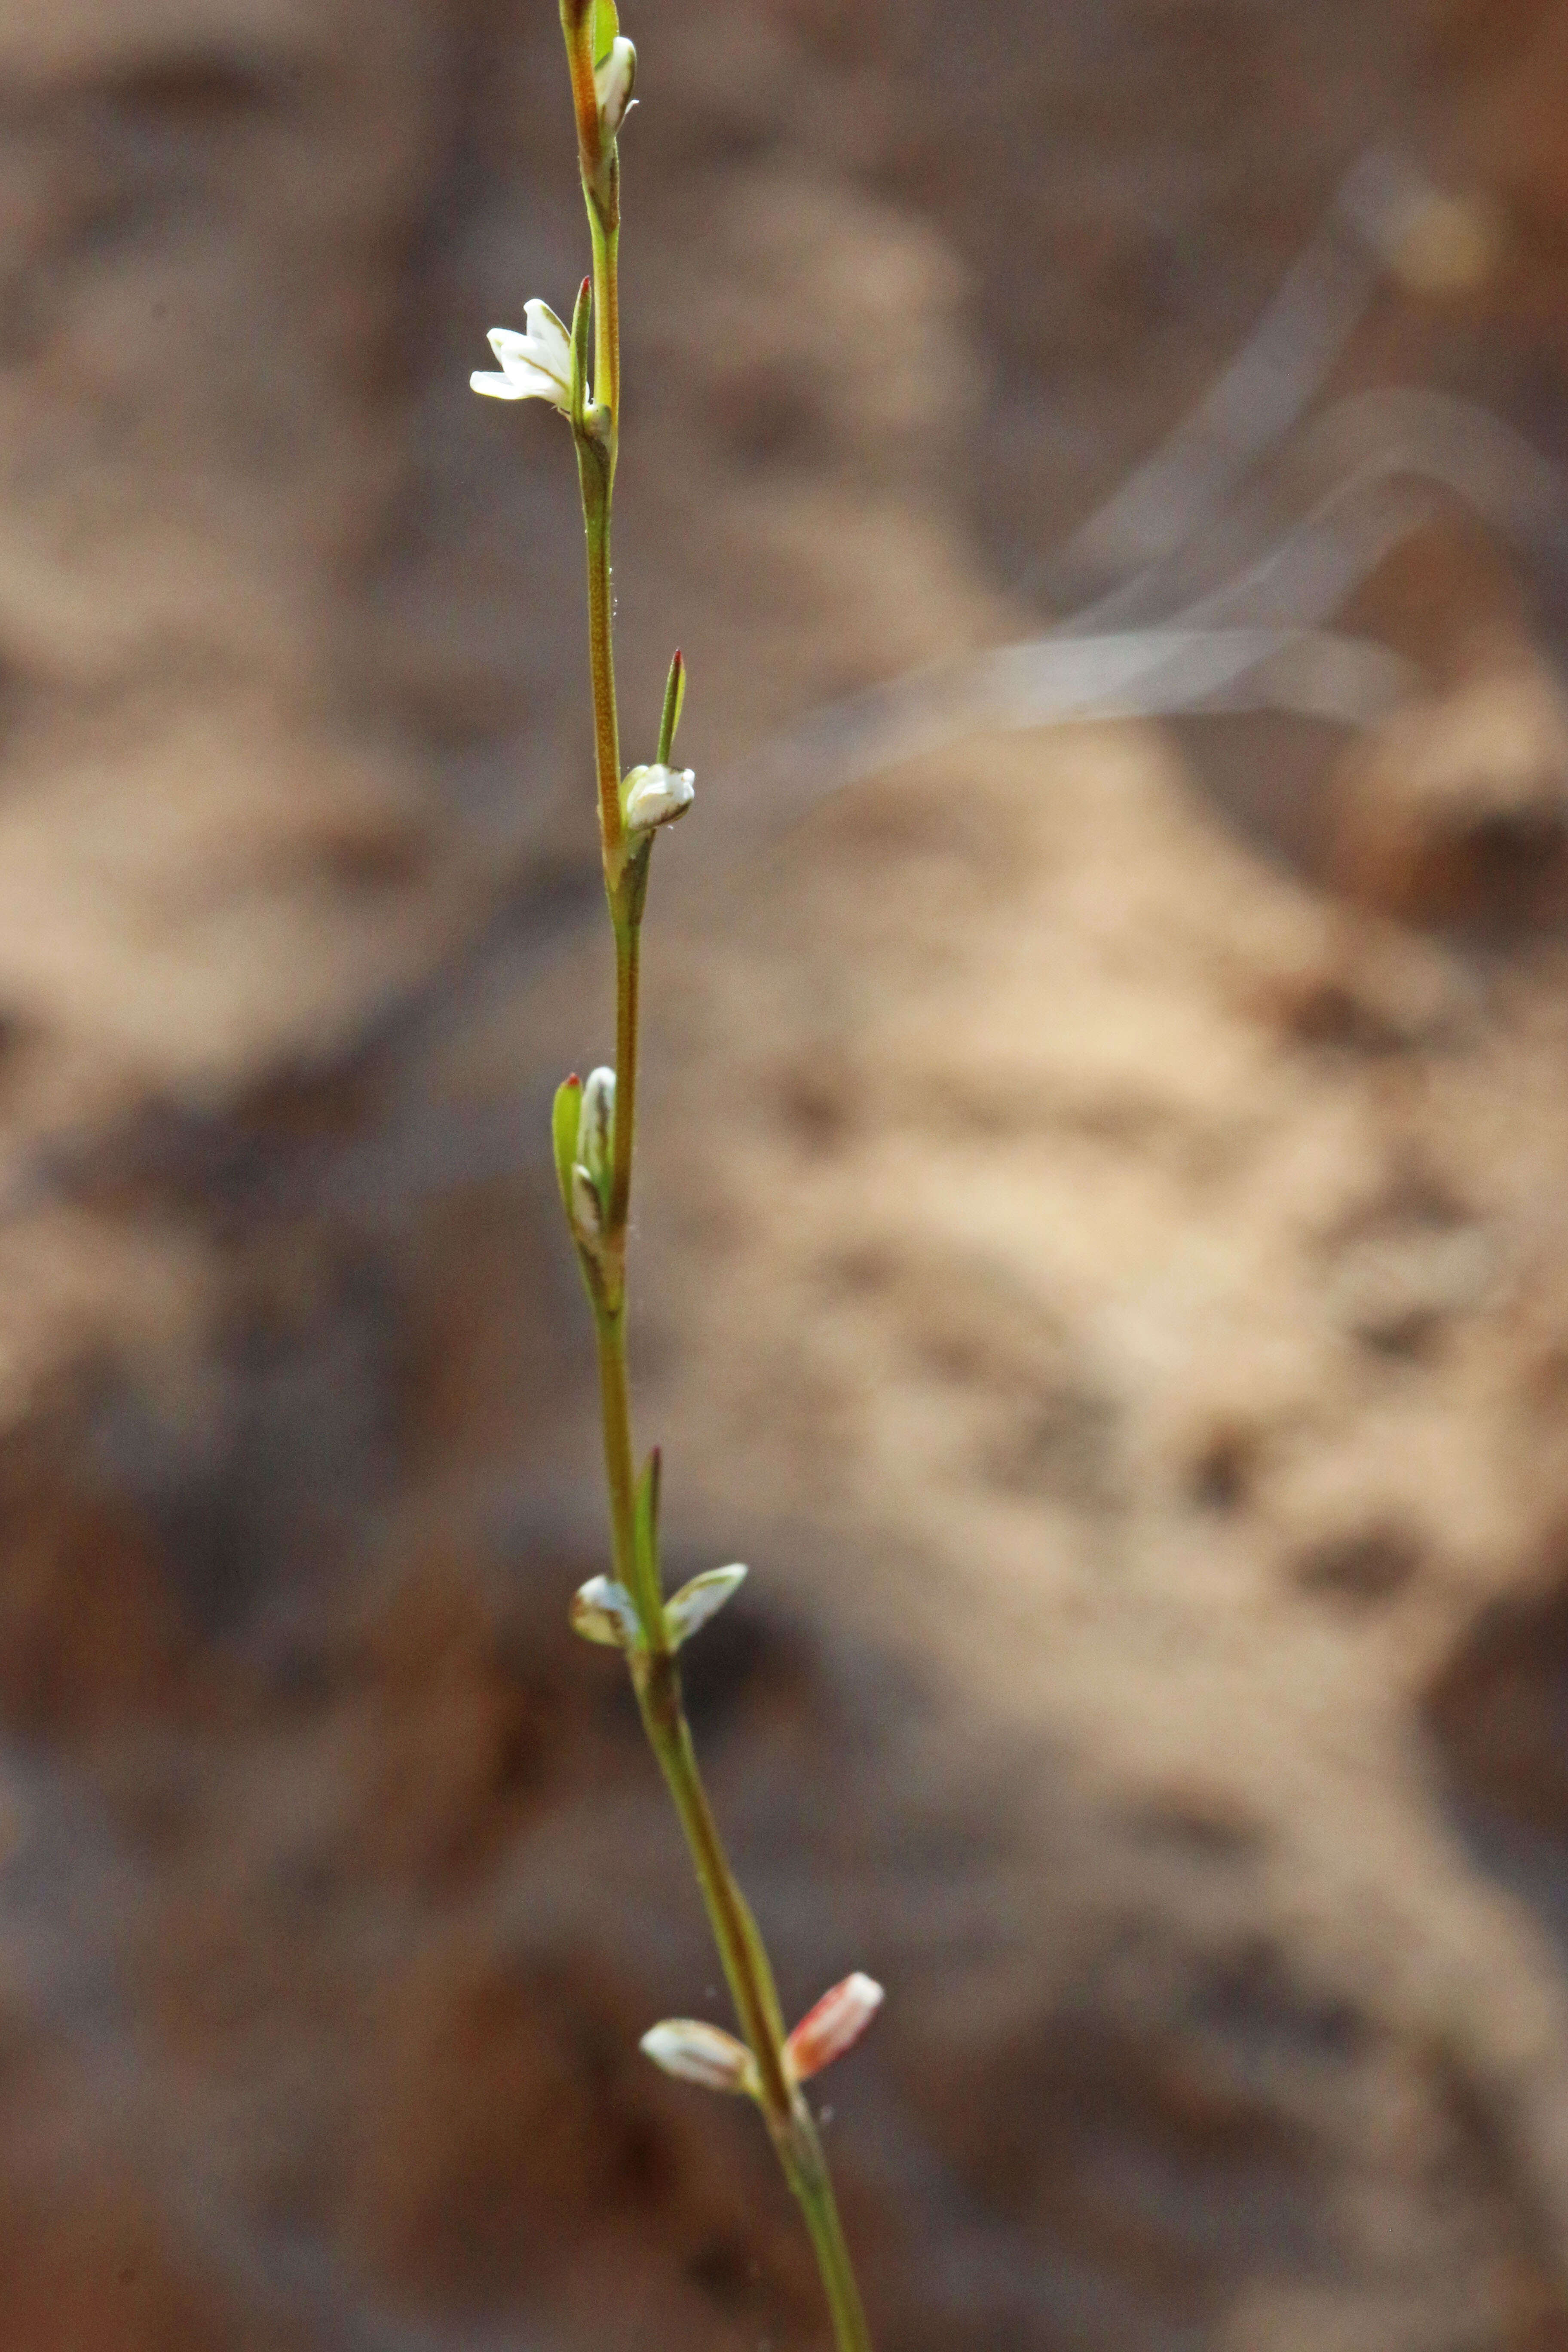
<point x="552" y="339"/>
<point x="498" y="388"/>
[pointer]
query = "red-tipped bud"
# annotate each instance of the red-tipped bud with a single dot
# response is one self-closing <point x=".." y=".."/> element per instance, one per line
<point x="833" y="2026"/>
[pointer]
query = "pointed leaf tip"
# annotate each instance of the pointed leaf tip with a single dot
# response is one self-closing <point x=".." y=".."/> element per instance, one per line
<point x="674" y="698"/>
<point x="644" y="1518"/>
<point x="606" y="24"/>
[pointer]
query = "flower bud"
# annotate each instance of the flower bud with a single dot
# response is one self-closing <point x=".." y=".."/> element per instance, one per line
<point x="603" y="1610"/>
<point x="703" y="1598"/>
<point x="613" y="79"/>
<point x="833" y="2026"/>
<point x="586" y="1215"/>
<point x="655" y="795"/>
<point x="597" y="1127"/>
<point x="701" y="2053"/>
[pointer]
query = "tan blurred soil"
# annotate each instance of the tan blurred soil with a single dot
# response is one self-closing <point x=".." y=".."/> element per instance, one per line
<point x="1102" y="1216"/>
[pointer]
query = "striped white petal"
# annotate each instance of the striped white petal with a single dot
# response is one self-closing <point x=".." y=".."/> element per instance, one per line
<point x="506" y="387"/>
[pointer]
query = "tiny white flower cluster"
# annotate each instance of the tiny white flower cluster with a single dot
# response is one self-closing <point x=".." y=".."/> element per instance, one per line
<point x="655" y="795"/>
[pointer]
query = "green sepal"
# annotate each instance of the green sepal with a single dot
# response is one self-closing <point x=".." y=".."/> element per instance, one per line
<point x="674" y="697"/>
<point x="606" y="26"/>
<point x="564" y="1119"/>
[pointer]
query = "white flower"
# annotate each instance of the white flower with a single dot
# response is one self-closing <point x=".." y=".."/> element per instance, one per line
<point x="657" y="795"/>
<point x="613" y="79"/>
<point x="701" y="2053"/>
<point x="535" y="366"/>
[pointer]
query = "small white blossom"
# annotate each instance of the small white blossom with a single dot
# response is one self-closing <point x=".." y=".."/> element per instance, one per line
<point x="613" y="79"/>
<point x="657" y="795"/>
<point x="534" y="366"/>
<point x="701" y="2053"/>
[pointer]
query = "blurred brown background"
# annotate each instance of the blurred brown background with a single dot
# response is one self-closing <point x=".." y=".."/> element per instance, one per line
<point x="1105" y="1256"/>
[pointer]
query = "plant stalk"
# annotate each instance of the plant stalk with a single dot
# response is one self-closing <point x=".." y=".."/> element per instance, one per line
<point x="655" y="1672"/>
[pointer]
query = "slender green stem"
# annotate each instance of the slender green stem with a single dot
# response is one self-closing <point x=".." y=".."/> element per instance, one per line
<point x="620" y="1477"/>
<point x="655" y="1672"/>
<point x="628" y="994"/>
<point x="813" y="2186"/>
<point x="747" y="1970"/>
<point x="592" y="474"/>
<point x="605" y="232"/>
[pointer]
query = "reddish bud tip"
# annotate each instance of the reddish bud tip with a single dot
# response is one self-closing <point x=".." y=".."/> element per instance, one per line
<point x="833" y="2026"/>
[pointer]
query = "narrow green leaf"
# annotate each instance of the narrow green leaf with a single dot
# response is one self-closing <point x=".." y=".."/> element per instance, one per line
<point x="581" y="318"/>
<point x="606" y="24"/>
<point x="564" y="1124"/>
<point x="645" y="1519"/>
<point x="674" y="697"/>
